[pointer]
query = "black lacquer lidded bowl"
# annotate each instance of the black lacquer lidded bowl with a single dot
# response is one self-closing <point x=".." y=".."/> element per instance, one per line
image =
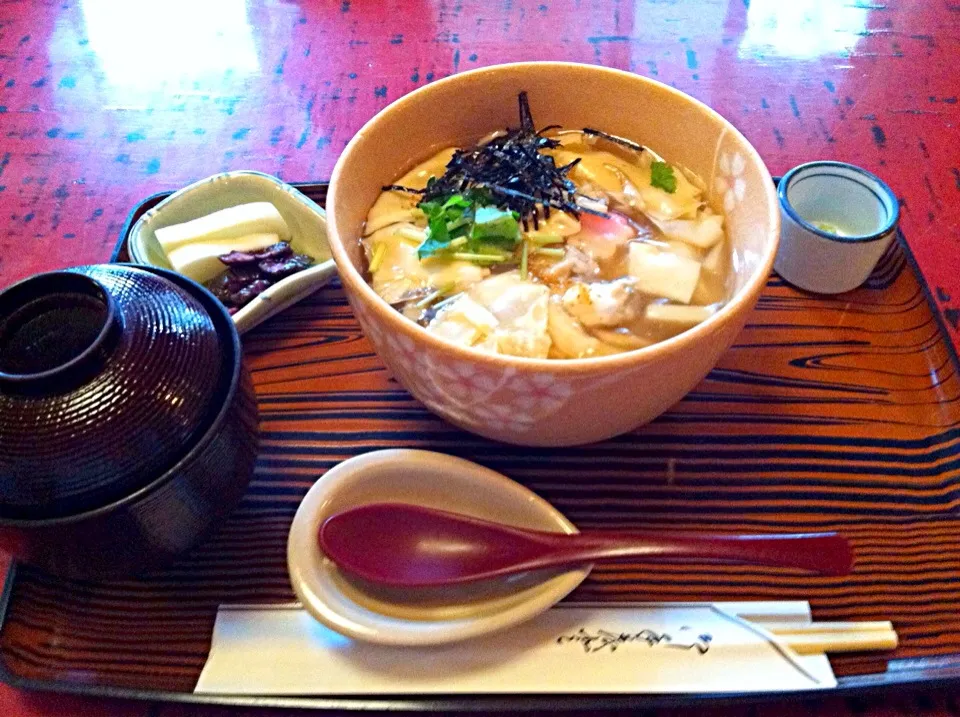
<point x="127" y="420"/>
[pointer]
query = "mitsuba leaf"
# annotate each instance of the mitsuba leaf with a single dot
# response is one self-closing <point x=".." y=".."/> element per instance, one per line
<point x="661" y="176"/>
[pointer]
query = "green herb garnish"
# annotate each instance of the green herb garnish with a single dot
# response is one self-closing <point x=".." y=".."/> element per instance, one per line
<point x="543" y="251"/>
<point x="379" y="250"/>
<point x="468" y="224"/>
<point x="445" y="222"/>
<point x="661" y="176"/>
<point x="514" y="173"/>
<point x="496" y="225"/>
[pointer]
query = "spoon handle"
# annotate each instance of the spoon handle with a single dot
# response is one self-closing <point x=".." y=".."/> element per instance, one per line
<point x="824" y="553"/>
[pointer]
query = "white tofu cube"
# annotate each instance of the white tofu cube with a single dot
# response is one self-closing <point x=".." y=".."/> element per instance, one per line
<point x="714" y="260"/>
<point x="703" y="232"/>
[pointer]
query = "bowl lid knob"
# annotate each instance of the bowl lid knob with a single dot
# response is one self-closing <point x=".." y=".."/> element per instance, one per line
<point x="56" y="330"/>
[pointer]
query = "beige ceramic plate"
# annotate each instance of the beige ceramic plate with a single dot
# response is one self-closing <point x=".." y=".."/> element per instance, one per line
<point x="306" y="219"/>
<point x="422" y="616"/>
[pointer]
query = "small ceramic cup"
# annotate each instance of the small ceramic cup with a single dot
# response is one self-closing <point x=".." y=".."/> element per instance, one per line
<point x="836" y="222"/>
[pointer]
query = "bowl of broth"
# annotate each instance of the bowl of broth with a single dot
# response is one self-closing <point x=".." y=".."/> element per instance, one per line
<point x="551" y="267"/>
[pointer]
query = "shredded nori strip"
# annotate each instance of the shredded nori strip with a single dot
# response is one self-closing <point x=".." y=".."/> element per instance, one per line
<point x="513" y="171"/>
<point x="401" y="188"/>
<point x="615" y="139"/>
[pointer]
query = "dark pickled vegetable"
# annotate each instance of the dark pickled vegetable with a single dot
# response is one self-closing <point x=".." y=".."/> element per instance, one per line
<point x="249" y="274"/>
<point x="280" y="249"/>
<point x="281" y="268"/>
<point x="237" y="257"/>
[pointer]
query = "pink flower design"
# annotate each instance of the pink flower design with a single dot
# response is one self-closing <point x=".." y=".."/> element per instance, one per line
<point x="540" y="393"/>
<point x="730" y="184"/>
<point x="504" y="415"/>
<point x="463" y="383"/>
<point x="404" y="350"/>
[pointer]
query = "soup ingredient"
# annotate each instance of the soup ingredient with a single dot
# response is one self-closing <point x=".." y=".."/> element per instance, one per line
<point x="703" y="232"/>
<point x="661" y="175"/>
<point x="249" y="274"/>
<point x="663" y="273"/>
<point x="201" y="260"/>
<point x="569" y="338"/>
<point x="601" y="303"/>
<point x="466" y="323"/>
<point x="230" y="223"/>
<point x="601" y="237"/>
<point x="467" y="229"/>
<point x="501" y="314"/>
<point x="682" y="315"/>
<point x="400" y="277"/>
<point x="511" y="171"/>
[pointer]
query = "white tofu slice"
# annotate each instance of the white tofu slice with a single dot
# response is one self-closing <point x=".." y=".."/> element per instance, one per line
<point x="655" y="202"/>
<point x="384" y="218"/>
<point x="602" y="303"/>
<point x="560" y="224"/>
<point x="455" y="275"/>
<point x="679" y="315"/>
<point x="393" y="207"/>
<point x="399" y="271"/>
<point x="230" y="223"/>
<point x="201" y="260"/>
<point x="681" y="248"/>
<point x="661" y="273"/>
<point x="613" y="174"/>
<point x="466" y="323"/>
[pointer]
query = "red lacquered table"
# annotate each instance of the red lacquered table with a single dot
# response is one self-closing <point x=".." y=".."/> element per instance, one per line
<point x="102" y="104"/>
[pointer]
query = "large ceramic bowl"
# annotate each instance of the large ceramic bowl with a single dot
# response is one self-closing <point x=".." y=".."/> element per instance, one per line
<point x="128" y="423"/>
<point x="538" y="401"/>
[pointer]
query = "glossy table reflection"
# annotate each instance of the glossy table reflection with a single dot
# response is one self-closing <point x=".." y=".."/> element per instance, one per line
<point x="103" y="103"/>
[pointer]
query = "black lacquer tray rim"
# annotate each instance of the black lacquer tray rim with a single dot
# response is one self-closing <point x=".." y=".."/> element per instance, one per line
<point x="899" y="680"/>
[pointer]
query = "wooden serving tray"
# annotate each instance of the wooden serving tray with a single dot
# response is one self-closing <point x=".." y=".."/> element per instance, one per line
<point x="829" y="413"/>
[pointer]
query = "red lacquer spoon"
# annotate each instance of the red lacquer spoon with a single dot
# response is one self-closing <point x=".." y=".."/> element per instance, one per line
<point x="412" y="546"/>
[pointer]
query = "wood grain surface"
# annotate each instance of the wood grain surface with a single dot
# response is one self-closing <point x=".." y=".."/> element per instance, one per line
<point x="829" y="413"/>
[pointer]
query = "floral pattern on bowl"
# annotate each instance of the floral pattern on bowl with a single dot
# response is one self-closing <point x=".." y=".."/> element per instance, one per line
<point x="511" y="404"/>
<point x="730" y="185"/>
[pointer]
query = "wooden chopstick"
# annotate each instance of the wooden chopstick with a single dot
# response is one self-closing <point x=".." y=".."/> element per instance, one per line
<point x="814" y="638"/>
<point x="810" y="627"/>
